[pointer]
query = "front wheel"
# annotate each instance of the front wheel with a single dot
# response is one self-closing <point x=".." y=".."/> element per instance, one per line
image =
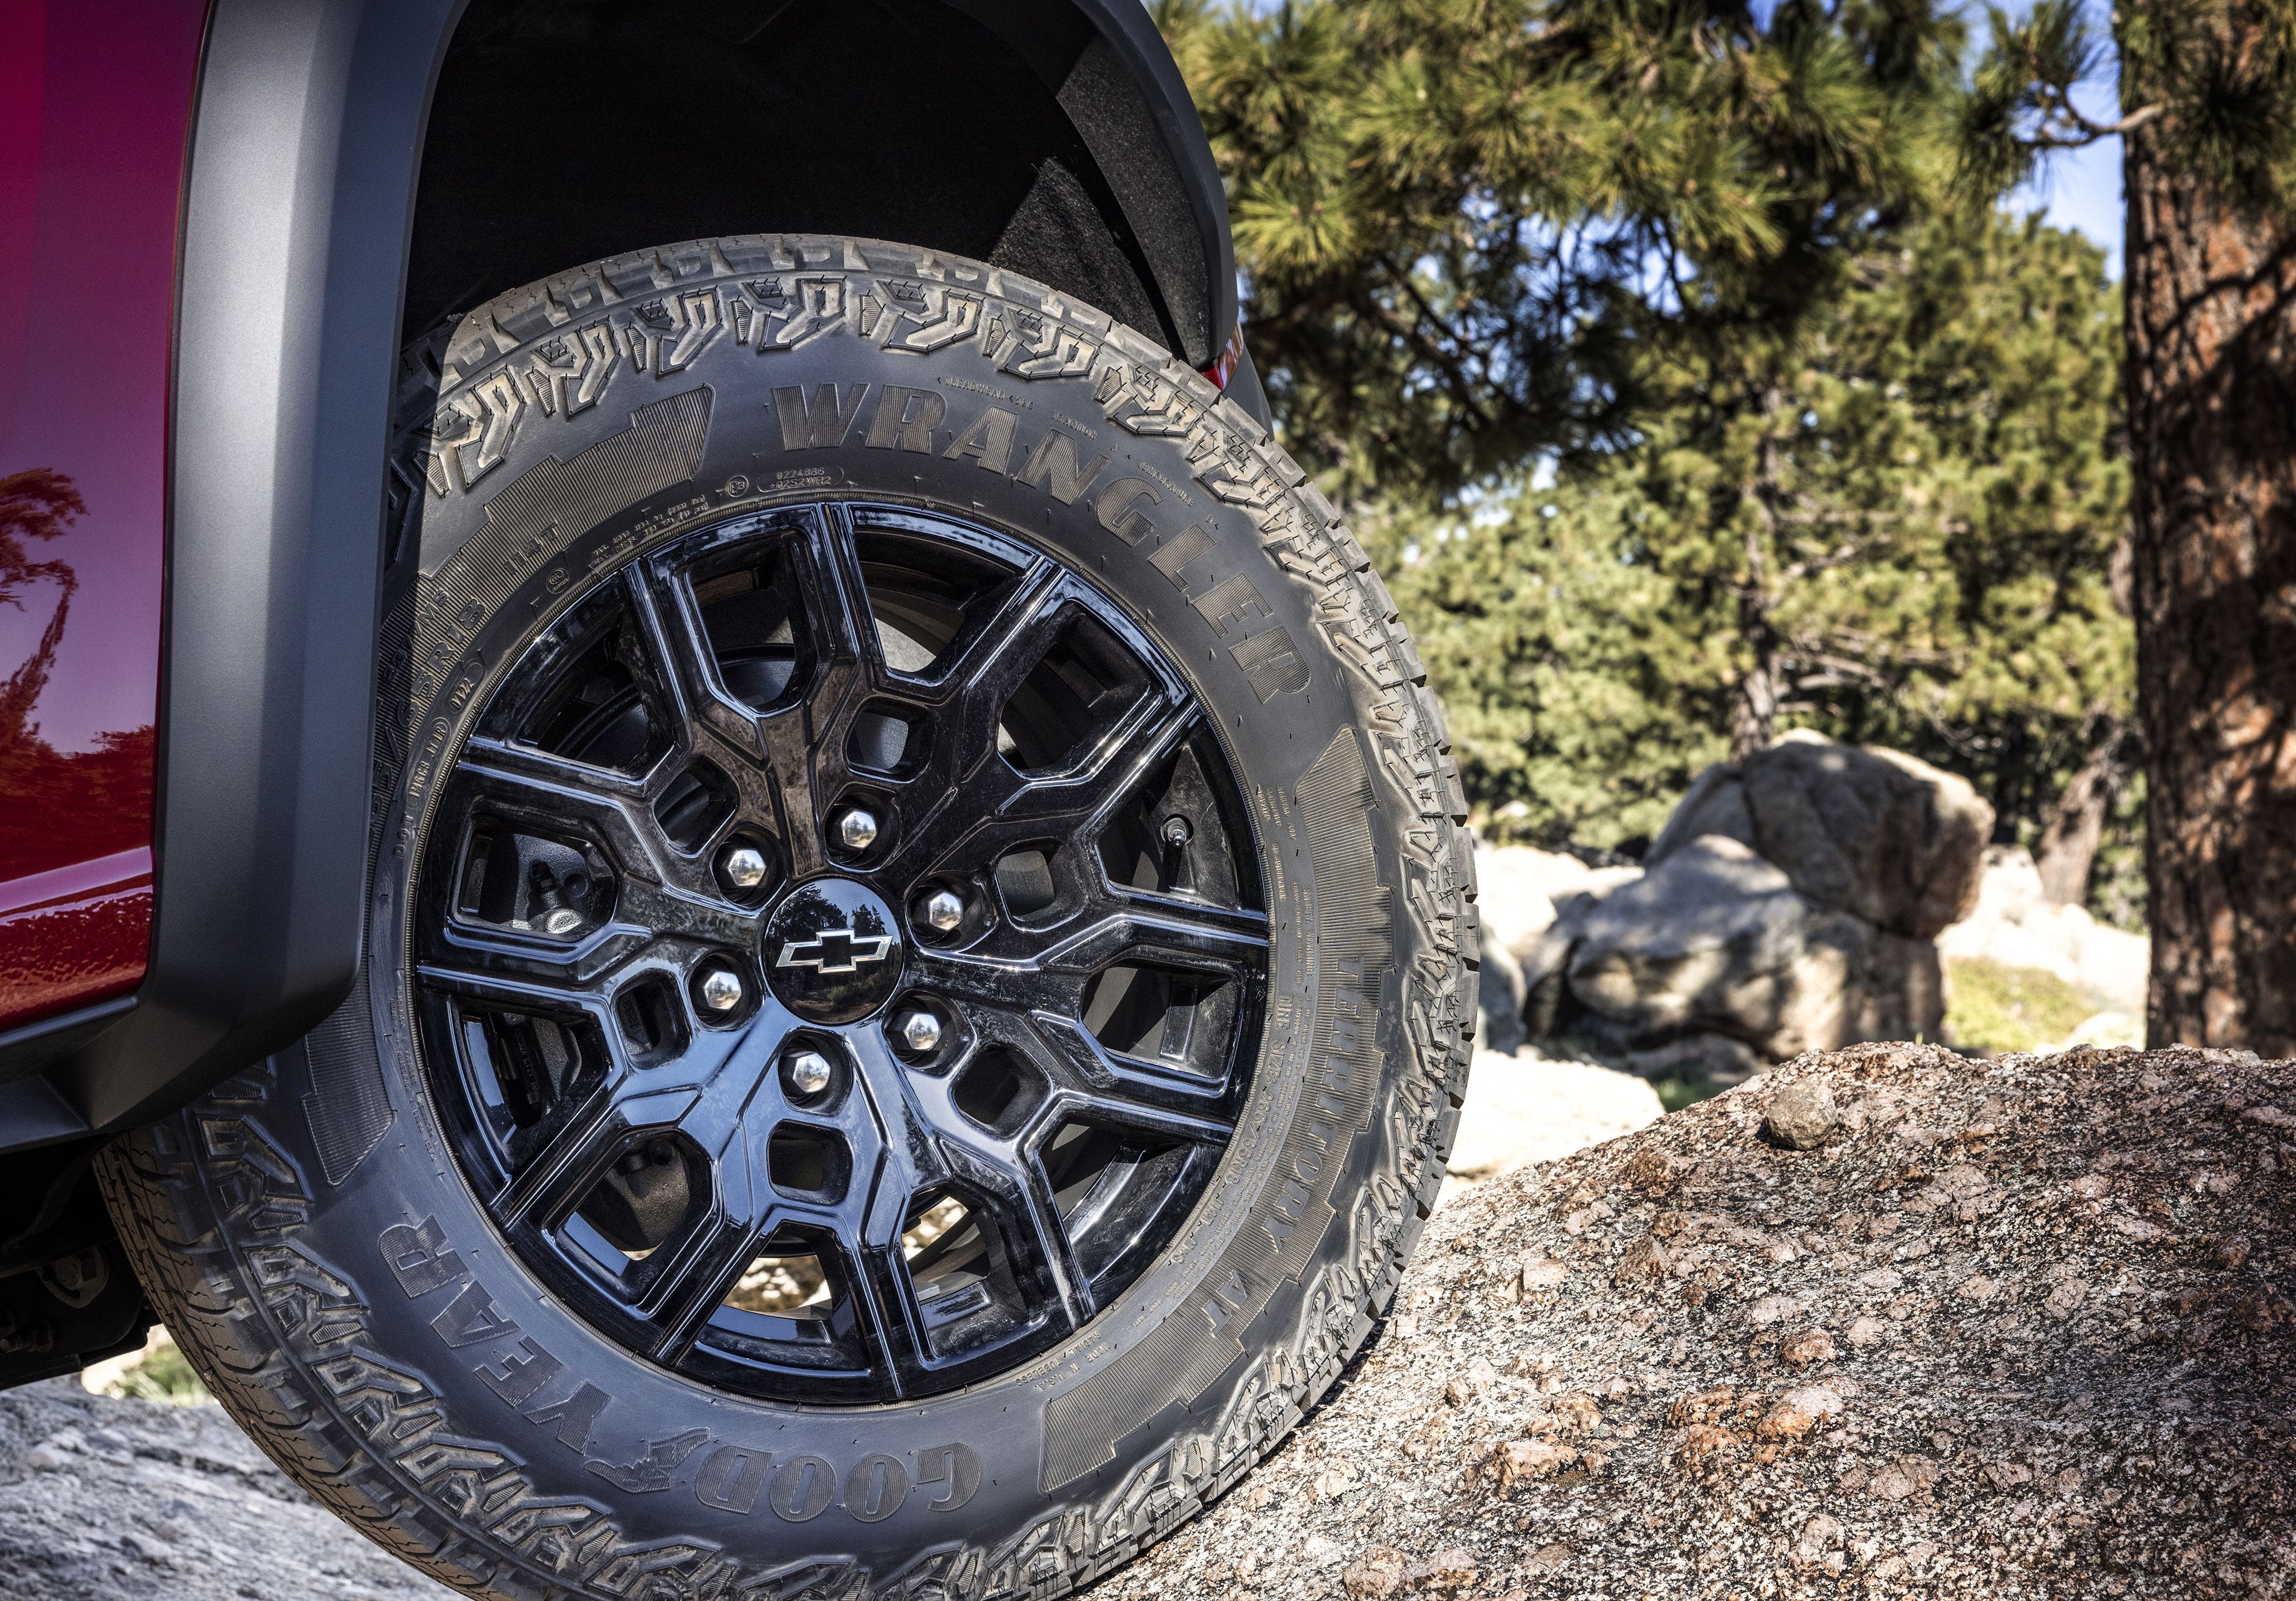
<point x="917" y="958"/>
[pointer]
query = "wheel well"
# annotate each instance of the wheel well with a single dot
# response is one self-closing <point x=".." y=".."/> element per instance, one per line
<point x="566" y="130"/>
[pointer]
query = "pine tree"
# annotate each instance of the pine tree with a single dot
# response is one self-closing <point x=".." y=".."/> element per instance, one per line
<point x="2208" y="123"/>
<point x="1827" y="452"/>
<point x="1464" y="221"/>
<point x="1901" y="524"/>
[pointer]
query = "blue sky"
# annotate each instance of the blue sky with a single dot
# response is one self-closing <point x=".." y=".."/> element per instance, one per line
<point x="2081" y="190"/>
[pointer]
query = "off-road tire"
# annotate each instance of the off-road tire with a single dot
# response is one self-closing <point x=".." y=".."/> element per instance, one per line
<point x="304" y="1228"/>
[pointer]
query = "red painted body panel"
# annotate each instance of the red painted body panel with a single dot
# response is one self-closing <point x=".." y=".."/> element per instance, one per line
<point x="96" y="106"/>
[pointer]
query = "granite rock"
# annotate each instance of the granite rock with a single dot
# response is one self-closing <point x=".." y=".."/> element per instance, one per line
<point x="2020" y="1328"/>
<point x="126" y="1500"/>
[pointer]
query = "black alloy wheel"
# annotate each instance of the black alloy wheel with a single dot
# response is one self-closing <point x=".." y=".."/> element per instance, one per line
<point x="917" y="958"/>
<point x="723" y="1080"/>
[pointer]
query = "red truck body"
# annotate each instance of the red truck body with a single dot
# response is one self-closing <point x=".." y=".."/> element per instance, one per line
<point x="96" y="106"/>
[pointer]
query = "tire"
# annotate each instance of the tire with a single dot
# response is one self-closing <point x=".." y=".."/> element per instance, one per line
<point x="406" y="1330"/>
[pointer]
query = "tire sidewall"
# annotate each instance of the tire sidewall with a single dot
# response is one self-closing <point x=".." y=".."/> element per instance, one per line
<point x="1210" y="1354"/>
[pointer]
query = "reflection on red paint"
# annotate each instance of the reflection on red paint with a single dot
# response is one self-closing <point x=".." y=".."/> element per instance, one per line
<point x="1231" y="356"/>
<point x="62" y="809"/>
<point x="96" y="99"/>
<point x="75" y="934"/>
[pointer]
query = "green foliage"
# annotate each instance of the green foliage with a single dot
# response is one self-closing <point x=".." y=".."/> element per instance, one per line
<point x="1578" y="706"/>
<point x="1909" y="514"/>
<point x="2117" y="889"/>
<point x="2002" y="1009"/>
<point x="1462" y="220"/>
<point x="2023" y="97"/>
<point x="164" y="1376"/>
<point x="1650" y="330"/>
<point x="1675" y="1093"/>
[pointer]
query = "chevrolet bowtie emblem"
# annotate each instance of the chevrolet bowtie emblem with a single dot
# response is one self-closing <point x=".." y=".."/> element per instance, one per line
<point x="835" y="950"/>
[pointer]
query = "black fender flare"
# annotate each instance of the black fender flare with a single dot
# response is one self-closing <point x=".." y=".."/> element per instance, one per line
<point x="1124" y="94"/>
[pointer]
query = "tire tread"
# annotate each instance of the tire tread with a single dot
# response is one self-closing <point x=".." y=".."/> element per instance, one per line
<point x="174" y="1226"/>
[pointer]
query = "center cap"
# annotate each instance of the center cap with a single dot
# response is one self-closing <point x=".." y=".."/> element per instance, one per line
<point x="833" y="951"/>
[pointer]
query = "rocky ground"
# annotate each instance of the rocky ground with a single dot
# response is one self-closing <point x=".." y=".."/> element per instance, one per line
<point x="121" y="1500"/>
<point x="1885" y="1322"/>
<point x="2016" y="1328"/>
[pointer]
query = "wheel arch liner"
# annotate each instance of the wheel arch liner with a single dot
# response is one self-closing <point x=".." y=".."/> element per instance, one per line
<point x="1125" y="96"/>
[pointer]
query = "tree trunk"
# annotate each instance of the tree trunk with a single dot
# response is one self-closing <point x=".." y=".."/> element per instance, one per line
<point x="1754" y="719"/>
<point x="2076" y="827"/>
<point x="2009" y="781"/>
<point x="2212" y="377"/>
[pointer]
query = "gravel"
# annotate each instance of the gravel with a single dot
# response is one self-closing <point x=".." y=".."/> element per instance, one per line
<point x="2017" y="1328"/>
<point x="1802" y="1114"/>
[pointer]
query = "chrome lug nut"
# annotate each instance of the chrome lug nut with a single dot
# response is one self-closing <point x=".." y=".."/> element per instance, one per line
<point x="721" y="990"/>
<point x="743" y="866"/>
<point x="809" y="1072"/>
<point x="920" y="1030"/>
<point x="857" y="828"/>
<point x="944" y="911"/>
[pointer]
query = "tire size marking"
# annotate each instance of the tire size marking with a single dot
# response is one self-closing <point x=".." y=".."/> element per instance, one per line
<point x="731" y="1478"/>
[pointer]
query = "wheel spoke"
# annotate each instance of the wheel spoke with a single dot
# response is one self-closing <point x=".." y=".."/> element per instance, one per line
<point x="491" y="983"/>
<point x="681" y="668"/>
<point x="659" y="890"/>
<point x="676" y="914"/>
<point x="994" y="808"/>
<point x="1201" y="937"/>
<point x="996" y="659"/>
<point x="565" y="1154"/>
<point x="1091" y="1086"/>
<point x="524" y="785"/>
<point x="706" y="1265"/>
<point x="656" y="896"/>
<point x="710" y="725"/>
<point x="484" y="963"/>
<point x="1022" y="1203"/>
<point x="803" y="744"/>
<point x="997" y="1170"/>
<point x="910" y="1161"/>
<point x="836" y="601"/>
<point x="1022" y="985"/>
<point x="574" y="1145"/>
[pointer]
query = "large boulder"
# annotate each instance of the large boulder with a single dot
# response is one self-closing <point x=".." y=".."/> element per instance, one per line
<point x="1789" y="905"/>
<point x="1521" y="891"/>
<point x="1714" y="939"/>
<point x="1498" y="999"/>
<point x="2018" y="1328"/>
<point x="1876" y="834"/>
